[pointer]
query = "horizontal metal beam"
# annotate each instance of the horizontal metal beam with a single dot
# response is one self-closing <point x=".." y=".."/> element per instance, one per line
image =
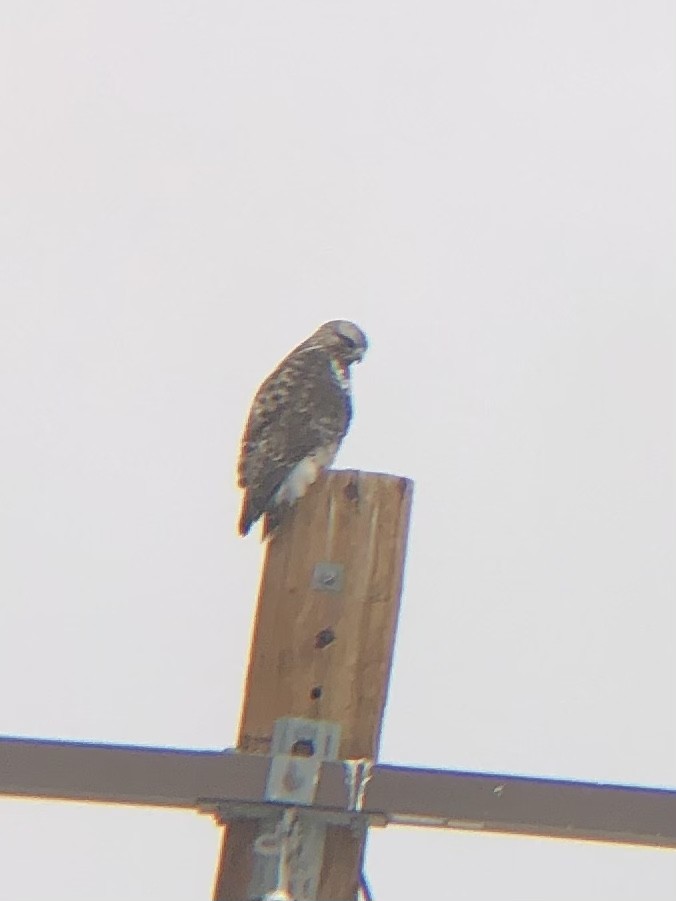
<point x="233" y="785"/>
<point x="525" y="806"/>
<point x="123" y="774"/>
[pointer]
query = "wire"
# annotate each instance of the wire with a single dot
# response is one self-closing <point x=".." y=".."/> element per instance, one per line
<point x="364" y="889"/>
<point x="277" y="844"/>
<point x="357" y="776"/>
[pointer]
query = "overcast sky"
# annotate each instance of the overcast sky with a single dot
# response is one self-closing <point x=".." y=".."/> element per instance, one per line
<point x="187" y="189"/>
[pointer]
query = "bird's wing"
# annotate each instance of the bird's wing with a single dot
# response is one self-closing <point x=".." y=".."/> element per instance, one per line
<point x="297" y="410"/>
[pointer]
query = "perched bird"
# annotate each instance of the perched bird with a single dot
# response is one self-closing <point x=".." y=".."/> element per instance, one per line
<point x="298" y="418"/>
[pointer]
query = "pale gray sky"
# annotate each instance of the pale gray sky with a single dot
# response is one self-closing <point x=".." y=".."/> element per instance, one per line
<point x="488" y="189"/>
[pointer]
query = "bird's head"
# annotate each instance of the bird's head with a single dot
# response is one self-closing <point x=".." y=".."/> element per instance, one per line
<point x="344" y="339"/>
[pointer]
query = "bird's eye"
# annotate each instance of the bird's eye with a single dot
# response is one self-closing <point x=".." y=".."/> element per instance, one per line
<point x="351" y="343"/>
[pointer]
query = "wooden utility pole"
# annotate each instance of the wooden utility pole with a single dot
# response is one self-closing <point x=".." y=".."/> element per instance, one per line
<point x="322" y="651"/>
<point x="322" y="645"/>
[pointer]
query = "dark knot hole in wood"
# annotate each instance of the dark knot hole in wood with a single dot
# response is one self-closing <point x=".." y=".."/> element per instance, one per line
<point x="324" y="638"/>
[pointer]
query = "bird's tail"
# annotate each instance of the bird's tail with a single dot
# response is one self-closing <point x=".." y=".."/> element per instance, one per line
<point x="251" y="512"/>
<point x="271" y="521"/>
<point x="246" y="516"/>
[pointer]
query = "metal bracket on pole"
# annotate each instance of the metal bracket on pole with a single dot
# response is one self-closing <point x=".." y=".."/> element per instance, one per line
<point x="328" y="577"/>
<point x="289" y="849"/>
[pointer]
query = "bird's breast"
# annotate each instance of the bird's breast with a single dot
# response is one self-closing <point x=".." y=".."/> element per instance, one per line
<point x="304" y="474"/>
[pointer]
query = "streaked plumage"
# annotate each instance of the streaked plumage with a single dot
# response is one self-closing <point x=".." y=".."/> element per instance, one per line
<point x="298" y="418"/>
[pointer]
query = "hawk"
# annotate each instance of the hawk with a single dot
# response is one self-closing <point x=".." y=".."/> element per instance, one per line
<point x="298" y="418"/>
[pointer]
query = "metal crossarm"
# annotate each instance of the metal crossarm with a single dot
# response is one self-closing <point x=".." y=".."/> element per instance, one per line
<point x="233" y="786"/>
